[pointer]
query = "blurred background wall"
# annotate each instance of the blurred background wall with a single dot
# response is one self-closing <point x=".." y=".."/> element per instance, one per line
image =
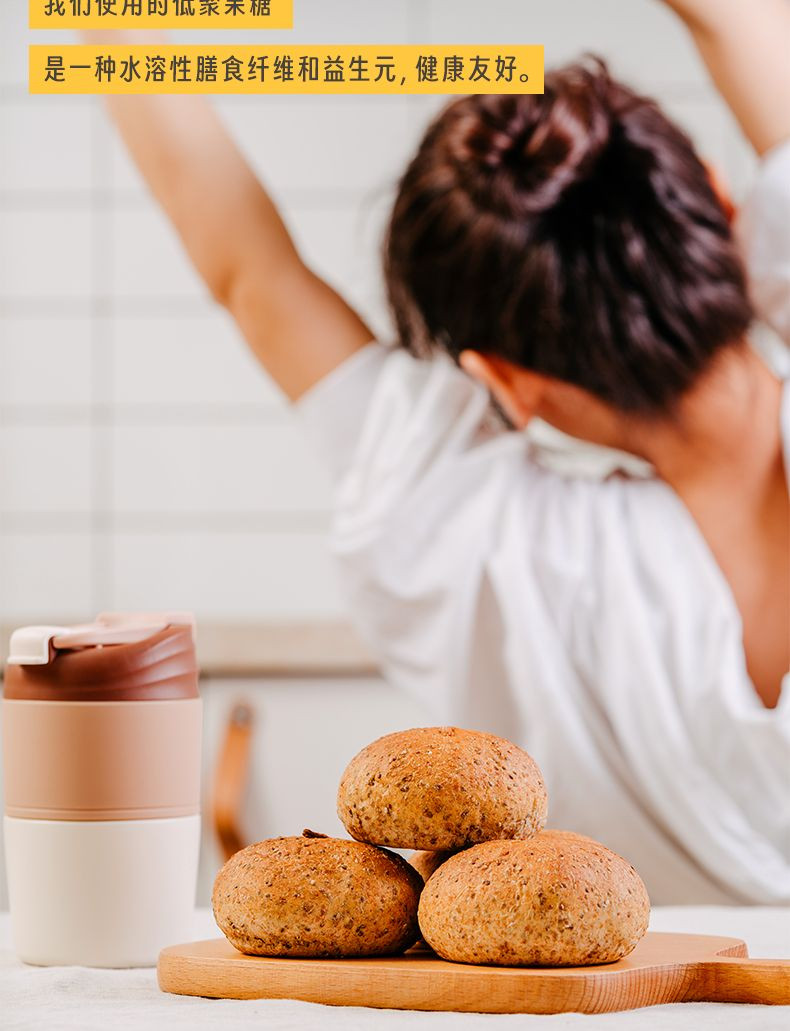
<point x="145" y="461"/>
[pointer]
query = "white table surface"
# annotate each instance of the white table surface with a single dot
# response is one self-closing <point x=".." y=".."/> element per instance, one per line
<point x="55" y="998"/>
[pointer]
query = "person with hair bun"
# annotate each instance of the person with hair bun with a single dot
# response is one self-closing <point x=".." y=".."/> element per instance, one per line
<point x="564" y="257"/>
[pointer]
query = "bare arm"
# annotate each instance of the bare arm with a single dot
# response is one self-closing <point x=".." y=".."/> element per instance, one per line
<point x="746" y="46"/>
<point x="297" y="326"/>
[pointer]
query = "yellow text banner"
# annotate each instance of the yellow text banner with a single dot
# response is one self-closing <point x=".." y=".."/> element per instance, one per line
<point x="149" y="69"/>
<point x="161" y="14"/>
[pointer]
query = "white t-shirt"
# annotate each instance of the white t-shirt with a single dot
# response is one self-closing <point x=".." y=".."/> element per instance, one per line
<point x="585" y="619"/>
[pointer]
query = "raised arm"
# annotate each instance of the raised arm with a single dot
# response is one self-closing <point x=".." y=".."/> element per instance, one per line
<point x="298" y="327"/>
<point x="746" y="46"/>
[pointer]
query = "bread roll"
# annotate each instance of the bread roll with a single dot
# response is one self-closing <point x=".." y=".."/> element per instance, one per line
<point x="553" y="834"/>
<point x="556" y="900"/>
<point x="317" y="896"/>
<point x="427" y="863"/>
<point x="437" y="788"/>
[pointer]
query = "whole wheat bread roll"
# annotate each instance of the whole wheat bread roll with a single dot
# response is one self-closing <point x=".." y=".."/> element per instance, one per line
<point x="317" y="896"/>
<point x="437" y="788"/>
<point x="427" y="863"/>
<point x="556" y="900"/>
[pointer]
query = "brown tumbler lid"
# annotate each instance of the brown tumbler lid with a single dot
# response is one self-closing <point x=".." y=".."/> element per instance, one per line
<point x="160" y="667"/>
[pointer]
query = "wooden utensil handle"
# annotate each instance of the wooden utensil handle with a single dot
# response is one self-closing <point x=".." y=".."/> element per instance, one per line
<point x="230" y="780"/>
<point x="737" y="979"/>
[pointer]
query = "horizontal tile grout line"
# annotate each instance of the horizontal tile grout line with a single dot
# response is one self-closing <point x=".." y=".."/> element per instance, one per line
<point x="17" y="92"/>
<point x="162" y="414"/>
<point x="22" y="524"/>
<point x="142" y="306"/>
<point x="128" y="307"/>
<point x="113" y="304"/>
<point x="101" y="199"/>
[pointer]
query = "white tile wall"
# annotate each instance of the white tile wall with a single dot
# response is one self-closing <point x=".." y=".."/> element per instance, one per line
<point x="51" y="148"/>
<point x="146" y="259"/>
<point x="45" y="361"/>
<point x="14" y="39"/>
<point x="342" y="244"/>
<point x="45" y="469"/>
<point x="195" y="359"/>
<point x="270" y="573"/>
<point x="44" y="576"/>
<point x="639" y="38"/>
<point x="354" y="147"/>
<point x="211" y="469"/>
<point x="144" y="458"/>
<point x="45" y="253"/>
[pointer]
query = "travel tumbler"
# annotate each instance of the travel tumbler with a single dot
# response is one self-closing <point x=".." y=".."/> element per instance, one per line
<point x="101" y="755"/>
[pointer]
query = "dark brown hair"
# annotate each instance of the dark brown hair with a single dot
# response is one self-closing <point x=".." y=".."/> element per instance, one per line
<point x="575" y="233"/>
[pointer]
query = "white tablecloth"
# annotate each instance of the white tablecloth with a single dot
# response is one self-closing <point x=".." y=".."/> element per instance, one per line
<point x="54" y="998"/>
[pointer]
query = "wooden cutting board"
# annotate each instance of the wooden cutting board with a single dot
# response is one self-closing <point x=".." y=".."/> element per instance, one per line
<point x="662" y="968"/>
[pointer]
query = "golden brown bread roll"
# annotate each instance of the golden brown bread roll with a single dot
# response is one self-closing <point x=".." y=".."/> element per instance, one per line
<point x="317" y="896"/>
<point x="437" y="788"/>
<point x="427" y="863"/>
<point x="558" y="899"/>
<point x="558" y="835"/>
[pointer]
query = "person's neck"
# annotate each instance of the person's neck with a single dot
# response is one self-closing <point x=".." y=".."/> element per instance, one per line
<point x="726" y="432"/>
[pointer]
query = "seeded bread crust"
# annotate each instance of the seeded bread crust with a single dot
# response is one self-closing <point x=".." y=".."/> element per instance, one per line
<point x="319" y="897"/>
<point x="556" y="900"/>
<point x="438" y="788"/>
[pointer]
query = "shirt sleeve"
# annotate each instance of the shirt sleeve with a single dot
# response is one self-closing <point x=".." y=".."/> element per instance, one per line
<point x="763" y="227"/>
<point x="332" y="412"/>
<point x="384" y="420"/>
<point x="421" y="467"/>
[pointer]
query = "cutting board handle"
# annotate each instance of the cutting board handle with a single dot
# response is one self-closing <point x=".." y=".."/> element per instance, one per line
<point x="740" y="979"/>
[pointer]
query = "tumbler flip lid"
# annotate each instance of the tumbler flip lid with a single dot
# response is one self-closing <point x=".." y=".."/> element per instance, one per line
<point x="36" y="645"/>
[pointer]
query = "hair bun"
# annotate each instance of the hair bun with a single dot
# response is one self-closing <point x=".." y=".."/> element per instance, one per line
<point x="524" y="151"/>
<point x="573" y="233"/>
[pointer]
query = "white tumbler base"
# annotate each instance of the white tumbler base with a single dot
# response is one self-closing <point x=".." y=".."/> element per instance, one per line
<point x="104" y="893"/>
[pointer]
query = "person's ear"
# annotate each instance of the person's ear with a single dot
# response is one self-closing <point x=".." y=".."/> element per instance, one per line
<point x="517" y="391"/>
